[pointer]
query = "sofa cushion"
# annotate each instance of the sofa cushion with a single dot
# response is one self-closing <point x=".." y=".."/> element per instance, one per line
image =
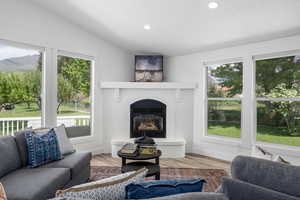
<point x="239" y="190"/>
<point x="195" y="196"/>
<point x="22" y="146"/>
<point x="160" y="188"/>
<point x="9" y="155"/>
<point x="273" y="175"/>
<point x="75" y="161"/>
<point x="35" y="183"/>
<point x="78" y="131"/>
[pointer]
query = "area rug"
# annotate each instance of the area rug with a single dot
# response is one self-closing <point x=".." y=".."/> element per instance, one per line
<point x="212" y="176"/>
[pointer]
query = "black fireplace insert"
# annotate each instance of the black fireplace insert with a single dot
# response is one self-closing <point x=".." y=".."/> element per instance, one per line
<point x="148" y="117"/>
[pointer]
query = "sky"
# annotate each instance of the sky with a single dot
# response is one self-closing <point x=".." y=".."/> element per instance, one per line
<point x="12" y="52"/>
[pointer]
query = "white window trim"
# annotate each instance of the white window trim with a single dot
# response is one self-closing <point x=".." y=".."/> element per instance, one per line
<point x="22" y="45"/>
<point x="273" y="55"/>
<point x="49" y="84"/>
<point x="223" y="61"/>
<point x="276" y="55"/>
<point x="216" y="138"/>
<point x="43" y="51"/>
<point x="90" y="137"/>
<point x="75" y="55"/>
<point x="277" y="99"/>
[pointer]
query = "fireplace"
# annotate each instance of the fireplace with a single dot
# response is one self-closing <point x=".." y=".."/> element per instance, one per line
<point x="148" y="117"/>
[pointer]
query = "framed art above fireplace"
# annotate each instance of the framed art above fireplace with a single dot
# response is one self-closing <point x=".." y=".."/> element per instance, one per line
<point x="148" y="68"/>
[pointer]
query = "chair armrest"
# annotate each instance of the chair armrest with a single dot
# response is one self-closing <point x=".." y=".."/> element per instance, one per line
<point x="195" y="196"/>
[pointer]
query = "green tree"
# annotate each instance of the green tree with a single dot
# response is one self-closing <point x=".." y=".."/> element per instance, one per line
<point x="77" y="71"/>
<point x="31" y="88"/>
<point x="66" y="92"/>
<point x="230" y="77"/>
<point x="275" y="78"/>
<point x="10" y="88"/>
<point x="287" y="110"/>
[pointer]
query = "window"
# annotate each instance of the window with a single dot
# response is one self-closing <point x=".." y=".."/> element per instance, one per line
<point x="224" y="90"/>
<point x="278" y="100"/>
<point x="74" y="99"/>
<point x="20" y="88"/>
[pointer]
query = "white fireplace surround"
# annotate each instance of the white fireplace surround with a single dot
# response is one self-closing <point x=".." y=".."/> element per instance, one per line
<point x="118" y="96"/>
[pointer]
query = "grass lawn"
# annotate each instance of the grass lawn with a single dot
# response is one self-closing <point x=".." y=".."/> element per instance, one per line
<point x="264" y="133"/>
<point x="21" y="110"/>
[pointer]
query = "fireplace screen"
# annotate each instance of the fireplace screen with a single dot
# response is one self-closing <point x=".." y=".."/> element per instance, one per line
<point x="148" y="117"/>
<point x="148" y="123"/>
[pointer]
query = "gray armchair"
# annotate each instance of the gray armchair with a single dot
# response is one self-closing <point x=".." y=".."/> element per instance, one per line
<point x="253" y="179"/>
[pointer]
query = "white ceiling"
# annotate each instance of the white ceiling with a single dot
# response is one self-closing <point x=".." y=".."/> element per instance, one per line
<point x="181" y="26"/>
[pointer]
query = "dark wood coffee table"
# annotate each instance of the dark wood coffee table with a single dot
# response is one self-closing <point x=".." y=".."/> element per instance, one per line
<point x="153" y="167"/>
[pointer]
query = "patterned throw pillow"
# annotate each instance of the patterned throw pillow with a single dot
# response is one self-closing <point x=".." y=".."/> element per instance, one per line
<point x="2" y="193"/>
<point x="42" y="148"/>
<point x="106" y="189"/>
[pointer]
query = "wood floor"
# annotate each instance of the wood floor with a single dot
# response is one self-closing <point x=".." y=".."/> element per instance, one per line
<point x="190" y="161"/>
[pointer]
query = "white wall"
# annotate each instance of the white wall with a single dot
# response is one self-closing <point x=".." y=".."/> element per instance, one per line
<point x="191" y="68"/>
<point x="116" y="123"/>
<point x="22" y="21"/>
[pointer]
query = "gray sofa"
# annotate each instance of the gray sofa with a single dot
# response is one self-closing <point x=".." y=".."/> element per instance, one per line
<point x="253" y="179"/>
<point x="22" y="183"/>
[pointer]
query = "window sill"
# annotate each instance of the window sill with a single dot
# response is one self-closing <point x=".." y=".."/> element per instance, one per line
<point x="83" y="139"/>
<point x="286" y="149"/>
<point x="222" y="140"/>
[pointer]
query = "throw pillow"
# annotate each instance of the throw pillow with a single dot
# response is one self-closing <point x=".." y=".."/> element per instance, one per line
<point x="22" y="145"/>
<point x="160" y="188"/>
<point x="42" y="148"/>
<point x="64" y="142"/>
<point x="106" y="189"/>
<point x="2" y="193"/>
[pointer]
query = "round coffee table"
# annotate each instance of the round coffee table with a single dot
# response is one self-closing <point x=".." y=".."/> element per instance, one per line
<point x="153" y="167"/>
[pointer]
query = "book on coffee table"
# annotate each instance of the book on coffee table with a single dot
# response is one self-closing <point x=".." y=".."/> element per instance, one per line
<point x="129" y="149"/>
<point x="148" y="149"/>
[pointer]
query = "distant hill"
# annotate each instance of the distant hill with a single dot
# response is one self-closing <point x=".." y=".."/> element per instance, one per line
<point x="23" y="64"/>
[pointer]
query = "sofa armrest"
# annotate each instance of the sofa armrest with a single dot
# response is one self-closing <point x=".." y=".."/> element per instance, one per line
<point x="195" y="196"/>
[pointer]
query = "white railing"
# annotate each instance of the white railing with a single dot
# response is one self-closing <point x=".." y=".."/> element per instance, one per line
<point x="8" y="126"/>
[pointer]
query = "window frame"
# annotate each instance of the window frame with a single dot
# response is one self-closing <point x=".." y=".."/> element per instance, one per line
<point x="43" y="51"/>
<point x="82" y="139"/>
<point x="206" y="99"/>
<point x="259" y="57"/>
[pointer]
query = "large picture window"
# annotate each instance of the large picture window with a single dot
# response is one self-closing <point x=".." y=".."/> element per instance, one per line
<point x="74" y="99"/>
<point x="20" y="88"/>
<point x="278" y="100"/>
<point x="224" y="90"/>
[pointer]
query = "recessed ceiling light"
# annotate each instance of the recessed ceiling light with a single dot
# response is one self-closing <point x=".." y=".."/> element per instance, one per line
<point x="147" y="27"/>
<point x="213" y="5"/>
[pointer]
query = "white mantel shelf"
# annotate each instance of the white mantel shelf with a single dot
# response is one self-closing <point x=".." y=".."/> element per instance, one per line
<point x="148" y="85"/>
<point x="177" y="86"/>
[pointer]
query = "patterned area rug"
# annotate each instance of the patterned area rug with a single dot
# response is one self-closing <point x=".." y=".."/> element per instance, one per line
<point x="212" y="176"/>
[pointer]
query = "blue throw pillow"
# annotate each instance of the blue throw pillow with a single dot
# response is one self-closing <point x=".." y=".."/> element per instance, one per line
<point x="160" y="188"/>
<point x="42" y="148"/>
